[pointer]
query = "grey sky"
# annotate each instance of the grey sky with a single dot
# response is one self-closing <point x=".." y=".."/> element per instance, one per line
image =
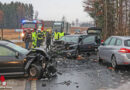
<point x="56" y="9"/>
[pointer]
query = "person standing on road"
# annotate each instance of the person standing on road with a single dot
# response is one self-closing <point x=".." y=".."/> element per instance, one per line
<point x="48" y="39"/>
<point x="56" y="35"/>
<point x="39" y="38"/>
<point x="34" y="39"/>
<point x="61" y="34"/>
<point x="44" y="36"/>
<point x="27" y="39"/>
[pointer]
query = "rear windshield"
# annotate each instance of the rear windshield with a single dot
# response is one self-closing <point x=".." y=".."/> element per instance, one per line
<point x="127" y="43"/>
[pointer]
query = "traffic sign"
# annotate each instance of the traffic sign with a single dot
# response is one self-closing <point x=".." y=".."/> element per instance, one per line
<point x="18" y="30"/>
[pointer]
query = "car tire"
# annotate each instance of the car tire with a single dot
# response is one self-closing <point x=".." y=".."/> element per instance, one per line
<point x="113" y="62"/>
<point x="35" y="71"/>
<point x="100" y="60"/>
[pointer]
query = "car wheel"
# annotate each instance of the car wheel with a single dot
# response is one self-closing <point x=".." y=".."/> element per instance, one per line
<point x="35" y="71"/>
<point x="113" y="62"/>
<point x="100" y="60"/>
<point x="77" y="53"/>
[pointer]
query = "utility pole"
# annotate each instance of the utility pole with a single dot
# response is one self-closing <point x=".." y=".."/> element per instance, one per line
<point x="106" y="15"/>
<point x="1" y="23"/>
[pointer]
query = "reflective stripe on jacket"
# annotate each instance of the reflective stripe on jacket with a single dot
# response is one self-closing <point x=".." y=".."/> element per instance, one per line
<point x="40" y="35"/>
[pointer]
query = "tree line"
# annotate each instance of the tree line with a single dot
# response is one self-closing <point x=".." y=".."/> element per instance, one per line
<point x="12" y="14"/>
<point x="113" y="16"/>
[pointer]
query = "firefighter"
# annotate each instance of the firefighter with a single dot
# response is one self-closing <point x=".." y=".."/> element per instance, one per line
<point x="44" y="35"/>
<point x="39" y="38"/>
<point x="34" y="39"/>
<point x="48" y="39"/>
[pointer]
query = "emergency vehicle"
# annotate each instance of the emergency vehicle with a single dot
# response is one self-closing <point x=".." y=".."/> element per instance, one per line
<point x="31" y="25"/>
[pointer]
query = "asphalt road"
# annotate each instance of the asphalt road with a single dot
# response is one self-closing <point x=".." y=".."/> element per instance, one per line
<point x="14" y="84"/>
<point x="85" y="74"/>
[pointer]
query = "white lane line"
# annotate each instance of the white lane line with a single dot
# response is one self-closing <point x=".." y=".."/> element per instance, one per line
<point x="33" y="85"/>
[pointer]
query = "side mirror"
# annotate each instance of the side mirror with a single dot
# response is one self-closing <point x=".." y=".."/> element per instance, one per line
<point x="16" y="54"/>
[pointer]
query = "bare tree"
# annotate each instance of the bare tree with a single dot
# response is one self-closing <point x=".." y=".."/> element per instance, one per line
<point x="1" y="23"/>
<point x="36" y="15"/>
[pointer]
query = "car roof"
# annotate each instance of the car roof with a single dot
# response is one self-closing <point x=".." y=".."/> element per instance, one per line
<point x="95" y="28"/>
<point x="122" y="37"/>
<point x="77" y="35"/>
<point x="2" y="42"/>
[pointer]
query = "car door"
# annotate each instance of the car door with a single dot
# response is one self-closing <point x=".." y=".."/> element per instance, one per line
<point x="110" y="49"/>
<point x="118" y="46"/>
<point x="87" y="44"/>
<point x="103" y="48"/>
<point x="9" y="63"/>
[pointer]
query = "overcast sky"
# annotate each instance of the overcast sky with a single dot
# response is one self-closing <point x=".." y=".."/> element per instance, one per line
<point x="56" y="9"/>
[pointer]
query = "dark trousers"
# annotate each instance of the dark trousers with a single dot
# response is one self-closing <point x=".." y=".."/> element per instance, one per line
<point x="48" y="43"/>
<point x="39" y="43"/>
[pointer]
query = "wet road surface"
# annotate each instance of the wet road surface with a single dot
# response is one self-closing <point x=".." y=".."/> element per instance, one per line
<point x="85" y="75"/>
<point x="14" y="84"/>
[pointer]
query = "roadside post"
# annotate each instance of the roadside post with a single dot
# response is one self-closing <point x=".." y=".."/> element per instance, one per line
<point x="4" y="84"/>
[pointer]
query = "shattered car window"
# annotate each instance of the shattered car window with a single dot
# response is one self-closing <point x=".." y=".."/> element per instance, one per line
<point x="73" y="39"/>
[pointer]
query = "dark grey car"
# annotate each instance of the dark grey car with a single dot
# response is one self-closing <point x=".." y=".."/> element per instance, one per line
<point x="15" y="60"/>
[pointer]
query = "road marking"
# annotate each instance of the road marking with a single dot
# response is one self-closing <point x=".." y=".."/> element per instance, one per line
<point x="33" y="85"/>
<point x="6" y="88"/>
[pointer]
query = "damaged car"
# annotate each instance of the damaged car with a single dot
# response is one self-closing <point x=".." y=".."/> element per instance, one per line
<point x="59" y="47"/>
<point x="73" y="45"/>
<point x="88" y="45"/>
<point x="17" y="61"/>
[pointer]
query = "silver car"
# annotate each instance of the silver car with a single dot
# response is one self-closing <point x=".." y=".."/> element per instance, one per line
<point x="116" y="50"/>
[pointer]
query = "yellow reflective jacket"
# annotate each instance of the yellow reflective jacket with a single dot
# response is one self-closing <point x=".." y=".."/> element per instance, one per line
<point x="34" y="36"/>
<point x="56" y="35"/>
<point x="61" y="35"/>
